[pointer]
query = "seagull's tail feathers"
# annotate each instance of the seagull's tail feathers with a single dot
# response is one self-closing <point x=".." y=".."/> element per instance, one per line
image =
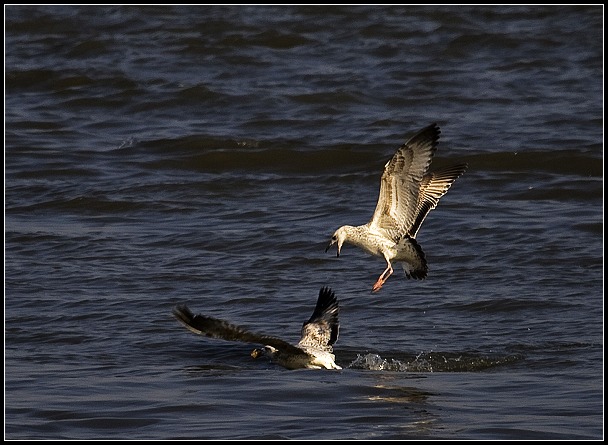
<point x="412" y="258"/>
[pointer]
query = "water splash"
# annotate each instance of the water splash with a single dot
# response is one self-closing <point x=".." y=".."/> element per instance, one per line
<point x="434" y="362"/>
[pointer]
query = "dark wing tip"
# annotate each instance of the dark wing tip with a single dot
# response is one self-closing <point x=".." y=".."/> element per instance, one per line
<point x="182" y="313"/>
<point x="433" y="130"/>
<point x="326" y="303"/>
<point x="185" y="316"/>
<point x="461" y="168"/>
<point x="447" y="174"/>
<point x="427" y="137"/>
<point x="327" y="310"/>
<point x="327" y="294"/>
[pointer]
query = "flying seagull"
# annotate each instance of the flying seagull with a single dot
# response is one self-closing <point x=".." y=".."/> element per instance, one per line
<point x="314" y="349"/>
<point x="407" y="194"/>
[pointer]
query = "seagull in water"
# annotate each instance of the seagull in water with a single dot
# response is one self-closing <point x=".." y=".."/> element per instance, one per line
<point x="407" y="194"/>
<point x="314" y="350"/>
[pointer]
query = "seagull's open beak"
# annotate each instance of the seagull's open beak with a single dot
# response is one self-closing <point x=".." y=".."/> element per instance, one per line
<point x="331" y="243"/>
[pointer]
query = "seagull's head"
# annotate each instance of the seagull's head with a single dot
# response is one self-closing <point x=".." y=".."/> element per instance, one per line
<point x="266" y="351"/>
<point x="338" y="238"/>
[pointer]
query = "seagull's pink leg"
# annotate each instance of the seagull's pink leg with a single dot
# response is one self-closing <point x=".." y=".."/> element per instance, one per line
<point x="382" y="279"/>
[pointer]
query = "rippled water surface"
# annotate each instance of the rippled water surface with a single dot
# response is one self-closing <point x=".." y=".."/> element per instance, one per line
<point x="205" y="155"/>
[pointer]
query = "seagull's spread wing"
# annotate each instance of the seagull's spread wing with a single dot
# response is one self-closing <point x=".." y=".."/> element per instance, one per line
<point x="398" y="200"/>
<point x="216" y="328"/>
<point x="433" y="186"/>
<point x="321" y="330"/>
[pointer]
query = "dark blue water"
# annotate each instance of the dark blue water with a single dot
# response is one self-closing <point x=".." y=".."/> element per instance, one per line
<point x="205" y="155"/>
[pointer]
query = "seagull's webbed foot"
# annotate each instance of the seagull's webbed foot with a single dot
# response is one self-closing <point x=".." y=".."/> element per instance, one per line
<point x="378" y="285"/>
<point x="382" y="278"/>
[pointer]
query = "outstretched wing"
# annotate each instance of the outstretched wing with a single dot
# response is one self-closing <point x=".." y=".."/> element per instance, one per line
<point x="322" y="329"/>
<point x="396" y="210"/>
<point x="216" y="328"/>
<point x="433" y="186"/>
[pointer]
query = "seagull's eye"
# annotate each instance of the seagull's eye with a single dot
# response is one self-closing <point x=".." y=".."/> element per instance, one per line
<point x="334" y="237"/>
